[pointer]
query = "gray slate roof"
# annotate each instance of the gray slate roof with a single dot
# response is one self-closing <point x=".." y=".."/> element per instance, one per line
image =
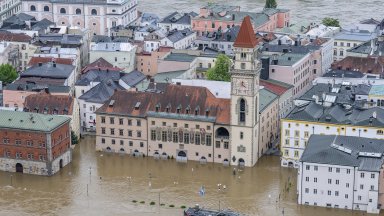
<point x="344" y="73"/>
<point x="179" y="18"/>
<point x="37" y="88"/>
<point x="101" y="92"/>
<point x="49" y="70"/>
<point x="337" y="114"/>
<point x="266" y="97"/>
<point x="289" y="48"/>
<point x="345" y="95"/>
<point x="133" y="78"/>
<point x="98" y="76"/>
<point x="320" y="150"/>
<point x="178" y="35"/>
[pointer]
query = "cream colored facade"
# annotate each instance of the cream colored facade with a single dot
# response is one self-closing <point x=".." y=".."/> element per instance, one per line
<point x="269" y="126"/>
<point x="121" y="134"/>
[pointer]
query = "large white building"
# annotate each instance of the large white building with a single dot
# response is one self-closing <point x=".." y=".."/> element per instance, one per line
<point x="342" y="172"/>
<point x="9" y="8"/>
<point x="96" y="15"/>
<point x="312" y="118"/>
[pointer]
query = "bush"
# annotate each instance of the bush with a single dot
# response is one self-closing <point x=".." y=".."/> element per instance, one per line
<point x="134" y="201"/>
<point x="183" y="207"/>
<point x="171" y="205"/>
<point x="152" y="203"/>
<point x="142" y="202"/>
<point x="162" y="204"/>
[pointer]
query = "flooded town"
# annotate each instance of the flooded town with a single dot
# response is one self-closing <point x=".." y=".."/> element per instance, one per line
<point x="191" y="108"/>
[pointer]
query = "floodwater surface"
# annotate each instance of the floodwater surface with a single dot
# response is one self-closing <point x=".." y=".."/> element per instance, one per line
<point x="97" y="183"/>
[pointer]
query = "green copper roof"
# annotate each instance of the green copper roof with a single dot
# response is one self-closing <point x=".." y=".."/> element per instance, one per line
<point x="266" y="98"/>
<point x="30" y="121"/>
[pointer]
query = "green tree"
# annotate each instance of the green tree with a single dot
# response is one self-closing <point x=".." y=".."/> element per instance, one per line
<point x="328" y="21"/>
<point x="74" y="138"/>
<point x="270" y="4"/>
<point x="220" y="72"/>
<point x="8" y="74"/>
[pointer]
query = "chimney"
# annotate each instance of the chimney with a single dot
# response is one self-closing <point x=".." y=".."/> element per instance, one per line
<point x="279" y="42"/>
<point x="233" y="17"/>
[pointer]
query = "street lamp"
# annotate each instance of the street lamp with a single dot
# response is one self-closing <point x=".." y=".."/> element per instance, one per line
<point x="11" y="179"/>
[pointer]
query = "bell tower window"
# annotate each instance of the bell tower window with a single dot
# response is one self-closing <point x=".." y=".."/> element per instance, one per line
<point x="243" y="55"/>
<point x="242" y="111"/>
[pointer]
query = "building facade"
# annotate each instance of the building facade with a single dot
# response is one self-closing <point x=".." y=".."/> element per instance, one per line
<point x="97" y="15"/>
<point x="342" y="172"/>
<point x="34" y="143"/>
<point x="311" y="118"/>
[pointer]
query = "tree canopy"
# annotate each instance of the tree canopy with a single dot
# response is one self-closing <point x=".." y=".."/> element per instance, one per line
<point x="328" y="21"/>
<point x="270" y="4"/>
<point x="220" y="72"/>
<point x="8" y="74"/>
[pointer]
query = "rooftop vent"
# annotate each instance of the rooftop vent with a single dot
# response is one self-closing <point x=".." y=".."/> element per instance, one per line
<point x="111" y="103"/>
<point x="137" y="106"/>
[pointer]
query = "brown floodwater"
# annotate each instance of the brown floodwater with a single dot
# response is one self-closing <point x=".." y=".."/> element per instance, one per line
<point x="114" y="181"/>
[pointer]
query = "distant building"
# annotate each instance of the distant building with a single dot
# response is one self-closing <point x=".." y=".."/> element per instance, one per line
<point x="34" y="143"/>
<point x="117" y="51"/>
<point x="179" y="39"/>
<point x="345" y="40"/>
<point x="349" y="77"/>
<point x="342" y="172"/>
<point x="372" y="48"/>
<point x="221" y="41"/>
<point x="176" y="20"/>
<point x="9" y="8"/>
<point x="147" y="62"/>
<point x="215" y="16"/>
<point x="96" y="16"/>
<point x="9" y="54"/>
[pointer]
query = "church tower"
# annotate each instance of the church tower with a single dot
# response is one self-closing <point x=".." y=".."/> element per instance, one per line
<point x="245" y="76"/>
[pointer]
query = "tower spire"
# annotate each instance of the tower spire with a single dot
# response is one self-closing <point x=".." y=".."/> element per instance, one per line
<point x="246" y="37"/>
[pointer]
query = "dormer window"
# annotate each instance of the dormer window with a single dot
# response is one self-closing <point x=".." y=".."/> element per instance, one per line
<point x="243" y="55"/>
<point x="207" y="112"/>
<point x="157" y="108"/>
<point x="168" y="108"/>
<point x="137" y="106"/>
<point x="197" y="111"/>
<point x="178" y="110"/>
<point x="188" y="110"/>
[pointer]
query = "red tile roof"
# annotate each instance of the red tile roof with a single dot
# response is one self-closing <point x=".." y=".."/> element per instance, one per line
<point x="51" y="104"/>
<point x="37" y="60"/>
<point x="246" y="37"/>
<point x="101" y="64"/>
<point x="15" y="37"/>
<point x="174" y="96"/>
<point x="374" y="65"/>
<point x="275" y="86"/>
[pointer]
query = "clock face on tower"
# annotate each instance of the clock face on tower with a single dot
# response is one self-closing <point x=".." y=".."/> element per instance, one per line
<point x="242" y="84"/>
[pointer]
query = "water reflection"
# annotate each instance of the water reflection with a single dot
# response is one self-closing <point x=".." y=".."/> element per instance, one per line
<point x="116" y="180"/>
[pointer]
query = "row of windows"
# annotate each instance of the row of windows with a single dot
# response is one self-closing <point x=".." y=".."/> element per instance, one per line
<point x="113" y="142"/>
<point x="182" y="137"/>
<point x="185" y="125"/>
<point x="28" y="143"/>
<point x="19" y="155"/>
<point x="63" y="10"/>
<point x="342" y="44"/>
<point x="121" y="121"/>
<point x="121" y="132"/>
<point x="306" y="133"/>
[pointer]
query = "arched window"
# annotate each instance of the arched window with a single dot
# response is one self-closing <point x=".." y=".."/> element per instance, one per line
<point x="242" y="111"/>
<point x="78" y="11"/>
<point x="46" y="8"/>
<point x="33" y="8"/>
<point x="63" y="11"/>
<point x="94" y="12"/>
<point x="379" y="132"/>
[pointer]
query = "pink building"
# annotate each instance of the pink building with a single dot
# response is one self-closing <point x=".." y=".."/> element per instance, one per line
<point x="212" y="17"/>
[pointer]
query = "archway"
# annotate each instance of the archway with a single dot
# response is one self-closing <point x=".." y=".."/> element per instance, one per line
<point x="241" y="162"/>
<point x="108" y="148"/>
<point x="61" y="163"/>
<point x="182" y="154"/>
<point x="19" y="168"/>
<point x="222" y="132"/>
<point x="290" y="164"/>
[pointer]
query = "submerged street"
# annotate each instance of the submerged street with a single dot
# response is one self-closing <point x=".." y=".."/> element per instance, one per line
<point x="115" y="181"/>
